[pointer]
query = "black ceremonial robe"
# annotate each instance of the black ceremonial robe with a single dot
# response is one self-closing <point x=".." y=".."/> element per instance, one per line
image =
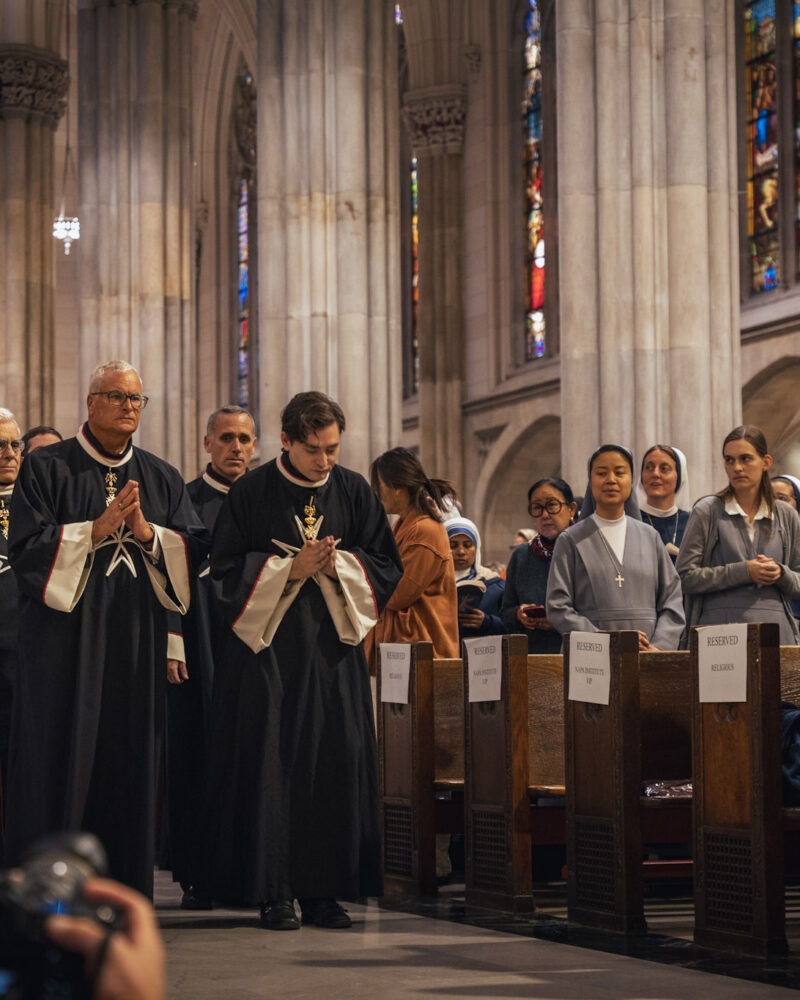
<point x="9" y="643"/>
<point x="195" y="640"/>
<point x="294" y="808"/>
<point x="89" y="702"/>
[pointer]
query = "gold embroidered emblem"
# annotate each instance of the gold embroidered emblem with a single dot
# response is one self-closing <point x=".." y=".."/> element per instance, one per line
<point x="111" y="486"/>
<point x="4" y="517"/>
<point x="310" y="518"/>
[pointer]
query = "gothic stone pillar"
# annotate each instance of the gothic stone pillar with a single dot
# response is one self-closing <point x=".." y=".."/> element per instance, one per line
<point x="647" y="229"/>
<point x="137" y="235"/>
<point x="33" y="85"/>
<point x="435" y="117"/>
<point x="328" y="267"/>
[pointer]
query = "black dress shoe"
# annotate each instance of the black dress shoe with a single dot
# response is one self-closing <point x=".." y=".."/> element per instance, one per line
<point x="279" y="916"/>
<point x="193" y="899"/>
<point x="325" y="913"/>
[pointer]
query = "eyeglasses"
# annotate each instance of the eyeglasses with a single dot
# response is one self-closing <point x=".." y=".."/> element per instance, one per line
<point x="117" y="398"/>
<point x="15" y="445"/>
<point x="552" y="506"/>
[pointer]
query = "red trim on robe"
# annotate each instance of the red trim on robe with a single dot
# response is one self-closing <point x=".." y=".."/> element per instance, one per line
<point x="53" y="567"/>
<point x="252" y="591"/>
<point x="374" y="598"/>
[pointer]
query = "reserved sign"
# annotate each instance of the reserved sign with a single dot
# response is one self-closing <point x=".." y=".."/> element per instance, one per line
<point x="589" y="667"/>
<point x="484" y="667"/>
<point x="722" y="662"/>
<point x="395" y="671"/>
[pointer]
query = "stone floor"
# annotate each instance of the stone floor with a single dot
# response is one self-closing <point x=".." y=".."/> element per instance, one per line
<point x="442" y="948"/>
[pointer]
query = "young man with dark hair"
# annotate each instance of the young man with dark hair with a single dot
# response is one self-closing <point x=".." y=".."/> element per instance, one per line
<point x="303" y="561"/>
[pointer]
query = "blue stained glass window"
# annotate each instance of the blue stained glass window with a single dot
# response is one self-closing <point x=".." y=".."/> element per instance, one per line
<point x="532" y="168"/>
<point x="243" y="235"/>
<point x="761" y="104"/>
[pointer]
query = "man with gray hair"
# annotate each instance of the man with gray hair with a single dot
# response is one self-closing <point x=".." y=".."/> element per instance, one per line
<point x="10" y="458"/>
<point x="103" y="542"/>
<point x="195" y="643"/>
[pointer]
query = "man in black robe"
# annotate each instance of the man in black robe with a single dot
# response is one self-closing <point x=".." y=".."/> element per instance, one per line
<point x="103" y="540"/>
<point x="303" y="560"/>
<point x="194" y="644"/>
<point x="10" y="458"/>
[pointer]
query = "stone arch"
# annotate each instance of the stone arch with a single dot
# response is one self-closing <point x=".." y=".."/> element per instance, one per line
<point x="520" y="456"/>
<point x="769" y="400"/>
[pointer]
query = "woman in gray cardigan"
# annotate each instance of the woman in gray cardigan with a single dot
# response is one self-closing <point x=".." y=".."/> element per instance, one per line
<point x="739" y="560"/>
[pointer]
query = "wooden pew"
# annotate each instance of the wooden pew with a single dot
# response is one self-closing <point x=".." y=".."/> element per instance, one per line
<point x="643" y="734"/>
<point x="514" y="756"/>
<point x="421" y="758"/>
<point x="740" y="823"/>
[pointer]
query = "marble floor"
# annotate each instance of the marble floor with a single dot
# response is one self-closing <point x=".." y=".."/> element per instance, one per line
<point x="442" y="948"/>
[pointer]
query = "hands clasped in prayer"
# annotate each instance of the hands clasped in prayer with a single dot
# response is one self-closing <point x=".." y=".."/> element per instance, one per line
<point x="124" y="508"/>
<point x="763" y="570"/>
<point x="317" y="554"/>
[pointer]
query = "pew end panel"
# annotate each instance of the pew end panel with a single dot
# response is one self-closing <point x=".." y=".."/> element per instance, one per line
<point x="739" y="871"/>
<point x="603" y="778"/>
<point x="497" y="826"/>
<point x="406" y="758"/>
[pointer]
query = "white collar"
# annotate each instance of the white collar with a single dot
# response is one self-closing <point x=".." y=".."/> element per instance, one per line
<point x="656" y="512"/>
<point x="7" y="489"/>
<point x="215" y="484"/>
<point x="98" y="456"/>
<point x="298" y="480"/>
<point x="732" y="507"/>
<point x="605" y="521"/>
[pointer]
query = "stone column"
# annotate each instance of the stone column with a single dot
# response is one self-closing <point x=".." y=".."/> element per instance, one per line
<point x="647" y="229"/>
<point x="33" y="85"/>
<point x="137" y="233"/>
<point x="328" y="266"/>
<point x="434" y="117"/>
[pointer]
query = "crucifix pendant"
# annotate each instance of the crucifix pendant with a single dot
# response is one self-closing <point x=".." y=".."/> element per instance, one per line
<point x="620" y="579"/>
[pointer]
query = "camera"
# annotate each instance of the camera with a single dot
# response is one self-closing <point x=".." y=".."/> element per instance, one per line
<point x="49" y="879"/>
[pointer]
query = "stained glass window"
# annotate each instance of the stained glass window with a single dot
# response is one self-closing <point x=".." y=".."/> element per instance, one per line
<point x="796" y="69"/>
<point x="243" y="258"/>
<point x="414" y="276"/>
<point x="532" y="166"/>
<point x="761" y="108"/>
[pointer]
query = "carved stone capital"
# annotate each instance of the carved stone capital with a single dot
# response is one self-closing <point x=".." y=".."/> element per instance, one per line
<point x="434" y="118"/>
<point x="33" y="84"/>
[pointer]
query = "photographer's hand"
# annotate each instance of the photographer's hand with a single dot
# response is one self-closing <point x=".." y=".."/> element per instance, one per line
<point x="132" y="966"/>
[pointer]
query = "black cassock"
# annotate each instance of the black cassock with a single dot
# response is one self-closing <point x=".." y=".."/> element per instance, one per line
<point x="294" y="809"/>
<point x="195" y="639"/>
<point x="9" y="641"/>
<point x="89" y="702"/>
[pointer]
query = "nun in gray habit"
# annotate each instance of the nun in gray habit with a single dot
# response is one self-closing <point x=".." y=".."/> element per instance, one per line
<point x="611" y="571"/>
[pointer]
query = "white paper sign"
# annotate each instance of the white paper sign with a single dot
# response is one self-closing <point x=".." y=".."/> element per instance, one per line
<point x="589" y="667"/>
<point x="485" y="667"/>
<point x="722" y="662"/>
<point x="395" y="671"/>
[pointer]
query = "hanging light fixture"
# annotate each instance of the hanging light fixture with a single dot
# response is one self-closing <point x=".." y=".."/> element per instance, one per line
<point x="67" y="228"/>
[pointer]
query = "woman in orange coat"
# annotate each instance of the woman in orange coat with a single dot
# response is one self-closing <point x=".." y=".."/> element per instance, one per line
<point x="424" y="605"/>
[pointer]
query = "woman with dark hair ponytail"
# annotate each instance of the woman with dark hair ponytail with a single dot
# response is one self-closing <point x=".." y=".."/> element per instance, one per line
<point x="740" y="556"/>
<point x="424" y="606"/>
